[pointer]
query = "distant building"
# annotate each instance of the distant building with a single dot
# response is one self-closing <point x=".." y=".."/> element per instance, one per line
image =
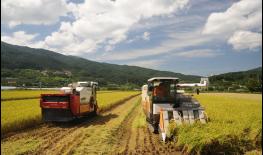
<point x="203" y="79"/>
<point x="45" y="72"/>
<point x="9" y="80"/>
<point x="58" y="73"/>
<point x="68" y="73"/>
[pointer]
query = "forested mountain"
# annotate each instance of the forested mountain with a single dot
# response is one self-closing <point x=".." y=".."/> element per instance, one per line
<point x="250" y="79"/>
<point x="238" y="77"/>
<point x="29" y="66"/>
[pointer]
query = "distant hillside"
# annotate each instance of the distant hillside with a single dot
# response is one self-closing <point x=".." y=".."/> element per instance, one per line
<point x="238" y="77"/>
<point x="250" y="79"/>
<point x="40" y="65"/>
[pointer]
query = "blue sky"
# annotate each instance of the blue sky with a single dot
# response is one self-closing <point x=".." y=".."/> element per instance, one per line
<point x="201" y="37"/>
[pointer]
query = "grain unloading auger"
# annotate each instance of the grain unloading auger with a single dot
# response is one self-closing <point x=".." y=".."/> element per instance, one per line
<point x="163" y="102"/>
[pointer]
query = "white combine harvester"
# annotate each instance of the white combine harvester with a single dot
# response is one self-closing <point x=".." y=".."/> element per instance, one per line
<point x="162" y="102"/>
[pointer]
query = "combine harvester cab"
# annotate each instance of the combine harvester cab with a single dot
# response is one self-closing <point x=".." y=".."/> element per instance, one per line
<point x="75" y="101"/>
<point x="162" y="103"/>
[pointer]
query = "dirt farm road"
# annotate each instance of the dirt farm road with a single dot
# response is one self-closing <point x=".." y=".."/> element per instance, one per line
<point x="111" y="132"/>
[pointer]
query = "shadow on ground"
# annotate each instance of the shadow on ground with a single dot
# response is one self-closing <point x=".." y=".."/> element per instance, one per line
<point x="85" y="121"/>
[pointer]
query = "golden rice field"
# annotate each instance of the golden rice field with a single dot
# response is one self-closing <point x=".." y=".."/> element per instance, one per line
<point x="29" y="94"/>
<point x="234" y="126"/>
<point x="23" y="94"/>
<point x="107" y="100"/>
<point x="19" y="114"/>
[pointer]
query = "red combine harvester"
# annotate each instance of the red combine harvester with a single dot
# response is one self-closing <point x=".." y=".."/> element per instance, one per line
<point x="75" y="101"/>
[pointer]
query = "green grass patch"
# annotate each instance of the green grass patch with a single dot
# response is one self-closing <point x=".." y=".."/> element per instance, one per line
<point x="234" y="127"/>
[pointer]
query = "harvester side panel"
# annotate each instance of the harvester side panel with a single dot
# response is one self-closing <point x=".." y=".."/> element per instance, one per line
<point x="85" y="108"/>
<point x="74" y="105"/>
<point x="146" y="101"/>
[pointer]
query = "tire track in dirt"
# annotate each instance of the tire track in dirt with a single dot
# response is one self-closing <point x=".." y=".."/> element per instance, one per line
<point x="52" y="141"/>
<point x="72" y="140"/>
<point x="47" y="127"/>
<point x="81" y="137"/>
<point x="150" y="143"/>
<point x="78" y="137"/>
<point x="72" y="136"/>
<point x="53" y="135"/>
<point x="134" y="140"/>
<point x="137" y="139"/>
<point x="59" y="139"/>
<point x="100" y="138"/>
<point x="40" y="132"/>
<point x="127" y="140"/>
<point x="66" y="142"/>
<point x="74" y="143"/>
<point x="111" y="132"/>
<point x="141" y="140"/>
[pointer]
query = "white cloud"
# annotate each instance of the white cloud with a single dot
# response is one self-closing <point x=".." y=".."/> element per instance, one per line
<point x="15" y="12"/>
<point x="23" y="39"/>
<point x="78" y="48"/>
<point x="96" y="22"/>
<point x="108" y="48"/>
<point x="245" y="15"/>
<point x="108" y="22"/>
<point x="176" y="43"/>
<point x="245" y="40"/>
<point x="19" y="38"/>
<point x="200" y="53"/>
<point x="146" y="36"/>
<point x="154" y="64"/>
<point x="61" y="38"/>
